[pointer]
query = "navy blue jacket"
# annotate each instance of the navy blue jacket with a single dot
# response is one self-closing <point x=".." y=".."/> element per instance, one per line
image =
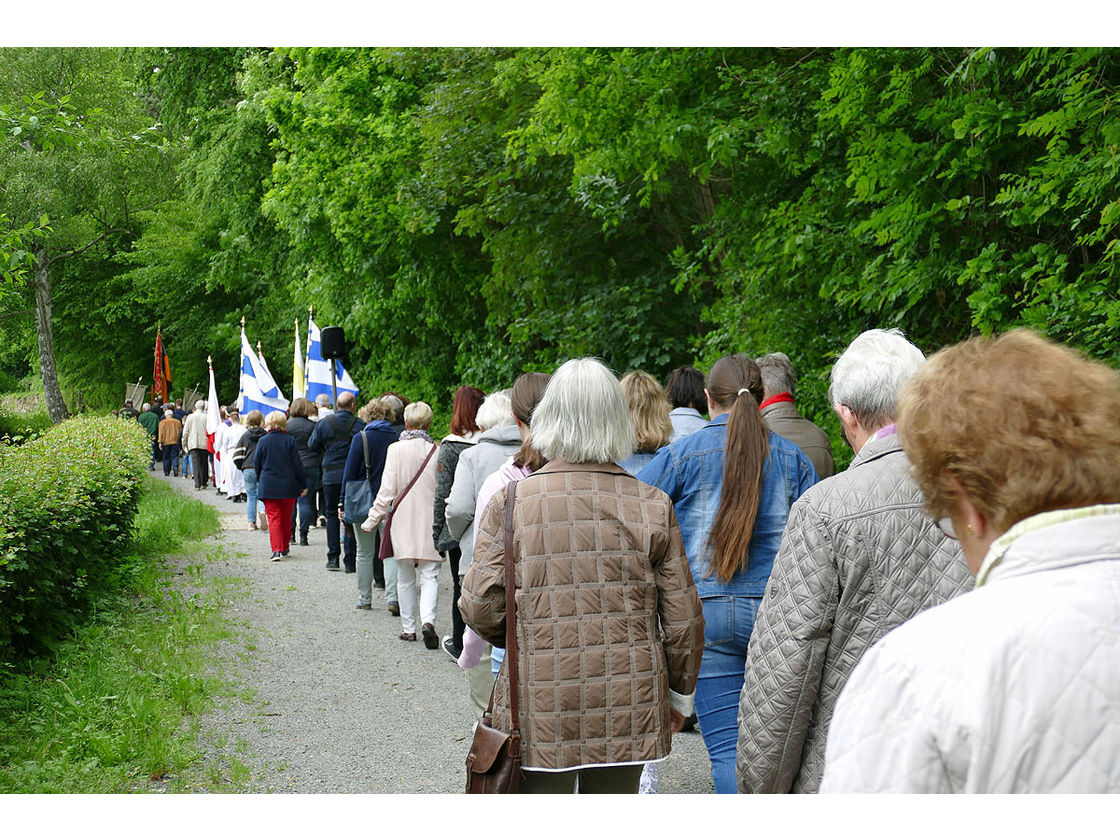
<point x="378" y="435"/>
<point x="279" y="470"/>
<point x="331" y="438"/>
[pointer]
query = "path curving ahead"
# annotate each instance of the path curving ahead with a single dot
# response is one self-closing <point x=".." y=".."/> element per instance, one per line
<point x="329" y="700"/>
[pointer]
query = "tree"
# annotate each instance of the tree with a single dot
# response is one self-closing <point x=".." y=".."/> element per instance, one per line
<point x="81" y="153"/>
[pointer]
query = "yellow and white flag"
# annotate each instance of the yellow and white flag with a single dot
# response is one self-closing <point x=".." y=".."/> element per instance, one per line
<point x="299" y="382"/>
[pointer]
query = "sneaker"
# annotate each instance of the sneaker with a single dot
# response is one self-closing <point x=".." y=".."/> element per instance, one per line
<point x="431" y="637"/>
<point x="303" y="540"/>
<point x="285" y="553"/>
<point x="262" y="520"/>
<point x="276" y="555"/>
<point x="449" y="648"/>
<point x="322" y="522"/>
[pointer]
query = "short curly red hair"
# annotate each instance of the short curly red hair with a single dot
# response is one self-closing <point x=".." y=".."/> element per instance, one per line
<point x="1024" y="424"/>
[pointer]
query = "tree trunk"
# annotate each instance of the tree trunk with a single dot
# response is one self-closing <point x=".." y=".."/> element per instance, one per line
<point x="56" y="405"/>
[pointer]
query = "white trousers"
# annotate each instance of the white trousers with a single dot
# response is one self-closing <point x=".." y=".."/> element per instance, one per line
<point x="428" y="573"/>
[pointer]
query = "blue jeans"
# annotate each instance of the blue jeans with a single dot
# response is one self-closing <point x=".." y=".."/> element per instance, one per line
<point x="728" y="621"/>
<point x="250" y="493"/>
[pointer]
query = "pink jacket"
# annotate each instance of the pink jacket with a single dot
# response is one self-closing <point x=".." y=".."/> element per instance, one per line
<point x="412" y="521"/>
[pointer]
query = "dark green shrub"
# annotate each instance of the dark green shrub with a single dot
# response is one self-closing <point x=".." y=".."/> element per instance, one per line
<point x="67" y="503"/>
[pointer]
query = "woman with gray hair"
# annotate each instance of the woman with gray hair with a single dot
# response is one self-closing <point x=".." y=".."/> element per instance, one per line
<point x="598" y="561"/>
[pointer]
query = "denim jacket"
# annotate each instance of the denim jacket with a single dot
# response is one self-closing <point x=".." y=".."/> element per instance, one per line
<point x="690" y="471"/>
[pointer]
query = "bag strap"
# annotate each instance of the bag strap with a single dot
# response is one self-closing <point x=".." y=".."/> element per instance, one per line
<point x="397" y="501"/>
<point x="365" y="452"/>
<point x="511" y="614"/>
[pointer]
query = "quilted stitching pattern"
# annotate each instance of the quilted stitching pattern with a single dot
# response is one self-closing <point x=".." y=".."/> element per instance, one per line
<point x="1012" y="688"/>
<point x="599" y="564"/>
<point x="858" y="558"/>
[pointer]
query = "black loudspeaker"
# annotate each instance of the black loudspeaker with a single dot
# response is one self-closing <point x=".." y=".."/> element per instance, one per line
<point x="332" y="342"/>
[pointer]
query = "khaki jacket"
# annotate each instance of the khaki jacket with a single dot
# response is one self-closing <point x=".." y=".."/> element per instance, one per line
<point x="785" y="421"/>
<point x="608" y="620"/>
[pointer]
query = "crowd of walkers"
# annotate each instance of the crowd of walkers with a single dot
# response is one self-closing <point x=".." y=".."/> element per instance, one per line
<point x="941" y="616"/>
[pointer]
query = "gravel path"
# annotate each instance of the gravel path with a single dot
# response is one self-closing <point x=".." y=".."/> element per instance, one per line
<point x="330" y="700"/>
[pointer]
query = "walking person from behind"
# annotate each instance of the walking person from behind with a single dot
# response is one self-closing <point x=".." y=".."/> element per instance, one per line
<point x="301" y="427"/>
<point x="194" y="441"/>
<point x="608" y="623"/>
<point x="408" y="483"/>
<point x="279" y="480"/>
<point x="465" y="433"/>
<point x="1014" y="686"/>
<point x="244" y="458"/>
<point x="167" y="438"/>
<point x="366" y="460"/>
<point x="858" y="558"/>
<point x="732" y="484"/>
<point x="783" y="418"/>
<point x="331" y="438"/>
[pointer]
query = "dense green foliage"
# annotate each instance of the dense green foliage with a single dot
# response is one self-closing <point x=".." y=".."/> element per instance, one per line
<point x="67" y="503"/>
<point x="106" y="712"/>
<point x="466" y="214"/>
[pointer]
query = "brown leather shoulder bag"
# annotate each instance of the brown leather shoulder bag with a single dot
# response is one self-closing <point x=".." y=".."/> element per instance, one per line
<point x="494" y="759"/>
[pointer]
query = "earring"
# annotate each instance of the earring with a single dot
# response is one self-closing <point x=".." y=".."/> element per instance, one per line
<point x="970" y="530"/>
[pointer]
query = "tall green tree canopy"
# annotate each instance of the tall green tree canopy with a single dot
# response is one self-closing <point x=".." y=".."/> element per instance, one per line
<point x="466" y="214"/>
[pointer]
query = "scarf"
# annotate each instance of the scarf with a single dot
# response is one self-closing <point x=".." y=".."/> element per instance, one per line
<point x="412" y="434"/>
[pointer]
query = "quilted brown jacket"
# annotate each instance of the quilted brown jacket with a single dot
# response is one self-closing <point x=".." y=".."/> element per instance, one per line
<point x="858" y="558"/>
<point x="598" y="561"/>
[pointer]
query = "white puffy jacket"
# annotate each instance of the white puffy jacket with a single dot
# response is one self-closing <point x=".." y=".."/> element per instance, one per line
<point x="1011" y="688"/>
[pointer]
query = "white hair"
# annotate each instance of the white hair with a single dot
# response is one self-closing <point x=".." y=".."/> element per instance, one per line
<point x="495" y="411"/>
<point x="869" y="375"/>
<point x="169" y="413"/>
<point x="322" y="400"/>
<point x="418" y="415"/>
<point x="200" y="405"/>
<point x="583" y="417"/>
<point x="147" y="406"/>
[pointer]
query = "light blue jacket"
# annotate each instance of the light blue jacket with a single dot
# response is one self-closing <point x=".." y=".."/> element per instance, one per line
<point x="690" y="471"/>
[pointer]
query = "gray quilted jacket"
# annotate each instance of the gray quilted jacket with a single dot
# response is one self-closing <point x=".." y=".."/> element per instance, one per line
<point x="858" y="558"/>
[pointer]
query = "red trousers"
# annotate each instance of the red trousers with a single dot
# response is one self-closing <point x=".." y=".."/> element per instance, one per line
<point x="279" y="513"/>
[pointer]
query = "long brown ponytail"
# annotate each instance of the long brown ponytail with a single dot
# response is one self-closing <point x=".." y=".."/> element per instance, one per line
<point x="735" y="381"/>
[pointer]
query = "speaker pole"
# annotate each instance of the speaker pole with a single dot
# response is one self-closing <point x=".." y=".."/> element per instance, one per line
<point x="334" y="386"/>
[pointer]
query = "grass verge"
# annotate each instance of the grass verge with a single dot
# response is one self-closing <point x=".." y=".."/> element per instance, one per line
<point x="117" y="708"/>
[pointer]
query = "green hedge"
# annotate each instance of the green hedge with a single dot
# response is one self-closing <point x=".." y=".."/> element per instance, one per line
<point x="67" y="503"/>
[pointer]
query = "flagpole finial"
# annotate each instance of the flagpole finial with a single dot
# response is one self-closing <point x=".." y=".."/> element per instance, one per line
<point x="311" y="309"/>
<point x="258" y="347"/>
<point x="209" y="361"/>
<point x="242" y="322"/>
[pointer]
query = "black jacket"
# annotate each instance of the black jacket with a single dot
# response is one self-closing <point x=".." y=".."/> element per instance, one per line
<point x="244" y="453"/>
<point x="332" y="437"/>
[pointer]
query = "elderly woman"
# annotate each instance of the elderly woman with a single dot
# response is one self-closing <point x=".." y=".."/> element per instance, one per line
<point x="598" y="561"/>
<point x="649" y="412"/>
<point x="366" y="460"/>
<point x="1013" y="687"/>
<point x="412" y="461"/>
<point x="280" y="480"/>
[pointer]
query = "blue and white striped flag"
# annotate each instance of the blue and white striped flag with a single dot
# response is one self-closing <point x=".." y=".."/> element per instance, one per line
<point x="318" y="370"/>
<point x="258" y="389"/>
